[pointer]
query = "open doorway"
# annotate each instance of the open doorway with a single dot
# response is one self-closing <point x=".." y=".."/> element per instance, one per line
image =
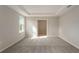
<point x="42" y="27"/>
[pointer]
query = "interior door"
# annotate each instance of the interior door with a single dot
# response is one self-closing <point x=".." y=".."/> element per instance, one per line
<point x="42" y="27"/>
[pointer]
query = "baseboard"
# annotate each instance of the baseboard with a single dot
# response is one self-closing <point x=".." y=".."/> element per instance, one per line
<point x="52" y="36"/>
<point x="69" y="42"/>
<point x="20" y="38"/>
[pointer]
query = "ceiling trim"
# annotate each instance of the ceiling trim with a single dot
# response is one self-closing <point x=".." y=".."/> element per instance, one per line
<point x="22" y="10"/>
<point x="18" y="9"/>
<point x="64" y="10"/>
<point x="21" y="7"/>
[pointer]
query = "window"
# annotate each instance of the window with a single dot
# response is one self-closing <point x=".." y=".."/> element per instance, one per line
<point x="21" y="24"/>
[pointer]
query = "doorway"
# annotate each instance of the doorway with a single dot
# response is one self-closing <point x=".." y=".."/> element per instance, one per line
<point x="42" y="27"/>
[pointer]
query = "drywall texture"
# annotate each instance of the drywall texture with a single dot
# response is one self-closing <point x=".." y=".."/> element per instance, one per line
<point x="9" y="27"/>
<point x="69" y="26"/>
<point x="32" y="27"/>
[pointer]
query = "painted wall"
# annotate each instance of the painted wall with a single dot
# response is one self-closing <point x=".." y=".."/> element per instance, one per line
<point x="69" y="26"/>
<point x="31" y="26"/>
<point x="9" y="27"/>
<point x="53" y="26"/>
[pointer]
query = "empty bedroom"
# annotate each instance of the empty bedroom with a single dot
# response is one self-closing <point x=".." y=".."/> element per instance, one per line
<point x="39" y="28"/>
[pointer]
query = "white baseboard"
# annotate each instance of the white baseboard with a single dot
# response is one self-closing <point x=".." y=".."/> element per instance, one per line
<point x="20" y="38"/>
<point x="52" y="36"/>
<point x="69" y="42"/>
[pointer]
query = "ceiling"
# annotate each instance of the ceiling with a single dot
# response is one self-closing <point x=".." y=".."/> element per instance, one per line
<point x="40" y="10"/>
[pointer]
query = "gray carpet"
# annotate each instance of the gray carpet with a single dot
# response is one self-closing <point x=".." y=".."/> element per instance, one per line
<point x="42" y="45"/>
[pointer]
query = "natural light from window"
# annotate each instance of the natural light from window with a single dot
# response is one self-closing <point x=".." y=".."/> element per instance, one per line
<point x="21" y="24"/>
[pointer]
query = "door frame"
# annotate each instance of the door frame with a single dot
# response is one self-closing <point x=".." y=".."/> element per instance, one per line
<point x="46" y="27"/>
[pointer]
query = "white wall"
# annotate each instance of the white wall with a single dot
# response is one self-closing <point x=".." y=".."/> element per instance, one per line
<point x="31" y="27"/>
<point x="9" y="27"/>
<point x="69" y="26"/>
<point x="52" y="25"/>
